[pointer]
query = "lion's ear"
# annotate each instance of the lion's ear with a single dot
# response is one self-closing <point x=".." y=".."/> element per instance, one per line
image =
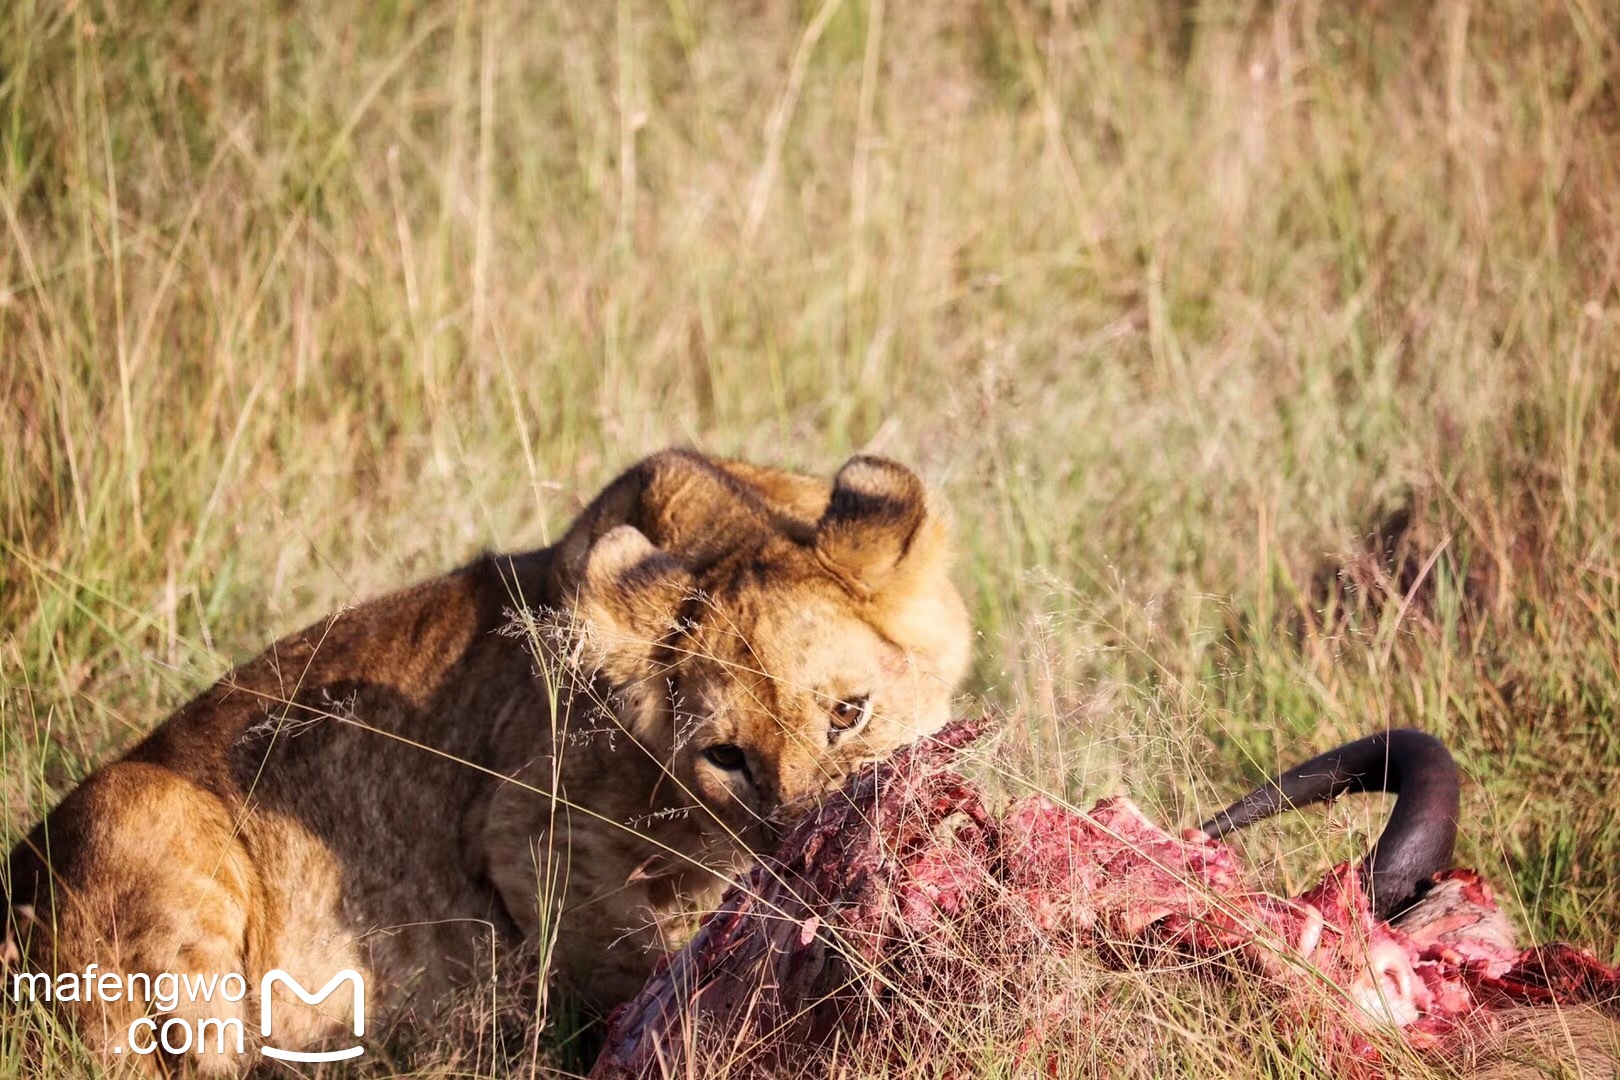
<point x="629" y="598"/>
<point x="680" y="500"/>
<point x="878" y="531"/>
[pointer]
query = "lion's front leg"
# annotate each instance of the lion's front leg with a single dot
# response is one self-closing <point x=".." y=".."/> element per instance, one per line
<point x="597" y="900"/>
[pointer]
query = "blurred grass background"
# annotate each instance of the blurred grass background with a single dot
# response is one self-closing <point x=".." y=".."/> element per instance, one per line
<point x="1268" y="354"/>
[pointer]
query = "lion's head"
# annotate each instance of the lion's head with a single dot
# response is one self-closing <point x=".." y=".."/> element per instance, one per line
<point x="760" y="633"/>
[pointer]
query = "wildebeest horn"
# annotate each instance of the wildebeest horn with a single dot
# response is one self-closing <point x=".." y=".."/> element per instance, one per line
<point x="1416" y="843"/>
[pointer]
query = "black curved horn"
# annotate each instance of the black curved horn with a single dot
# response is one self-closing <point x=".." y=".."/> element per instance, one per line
<point x="1416" y="843"/>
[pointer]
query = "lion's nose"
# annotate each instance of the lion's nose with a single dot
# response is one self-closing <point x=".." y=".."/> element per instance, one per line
<point x="764" y="834"/>
<point x="798" y="789"/>
<point x="771" y="833"/>
<point x="791" y="811"/>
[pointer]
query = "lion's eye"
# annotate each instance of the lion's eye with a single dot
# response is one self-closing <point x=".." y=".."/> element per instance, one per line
<point x="850" y="715"/>
<point x="726" y="756"/>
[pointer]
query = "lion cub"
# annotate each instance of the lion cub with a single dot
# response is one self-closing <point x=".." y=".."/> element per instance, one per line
<point x="569" y="750"/>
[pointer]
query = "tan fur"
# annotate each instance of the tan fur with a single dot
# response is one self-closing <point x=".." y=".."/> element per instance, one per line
<point x="404" y="784"/>
<point x="1546" y="1043"/>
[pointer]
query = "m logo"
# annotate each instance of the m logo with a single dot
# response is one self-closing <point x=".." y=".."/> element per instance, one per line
<point x="268" y="983"/>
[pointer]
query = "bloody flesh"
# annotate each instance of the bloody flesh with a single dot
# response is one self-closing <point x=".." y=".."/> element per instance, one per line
<point x="903" y="890"/>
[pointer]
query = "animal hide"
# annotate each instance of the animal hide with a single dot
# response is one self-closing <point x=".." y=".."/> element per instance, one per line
<point x="903" y="891"/>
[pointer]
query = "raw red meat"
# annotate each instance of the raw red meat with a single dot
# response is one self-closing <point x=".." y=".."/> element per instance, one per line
<point x="904" y="890"/>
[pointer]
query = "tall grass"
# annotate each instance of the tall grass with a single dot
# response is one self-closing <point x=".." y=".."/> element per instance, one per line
<point x="1269" y="355"/>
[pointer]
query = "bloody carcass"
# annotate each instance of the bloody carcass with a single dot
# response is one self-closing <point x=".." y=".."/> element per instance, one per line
<point x="903" y="909"/>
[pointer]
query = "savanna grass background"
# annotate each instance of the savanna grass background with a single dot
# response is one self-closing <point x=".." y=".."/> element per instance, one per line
<point x="1268" y="354"/>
